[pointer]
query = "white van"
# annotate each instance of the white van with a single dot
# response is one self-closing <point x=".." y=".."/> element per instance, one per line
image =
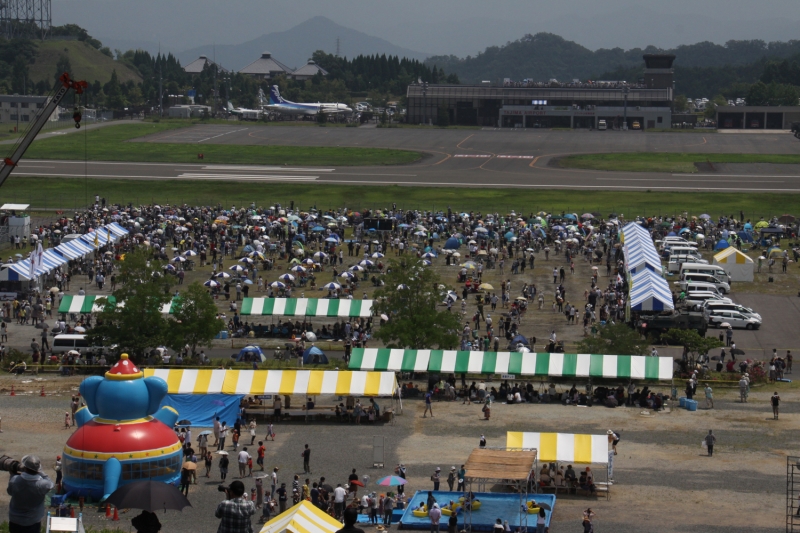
<point x="66" y="342"/>
<point x="719" y="305"/>
<point x="734" y="318"/>
<point x="680" y="241"/>
<point x="721" y="286"/>
<point x="696" y="300"/>
<point x="699" y="268"/>
<point x="675" y="262"/>
<point x="684" y="251"/>
<point x="601" y="125"/>
<point x="697" y="286"/>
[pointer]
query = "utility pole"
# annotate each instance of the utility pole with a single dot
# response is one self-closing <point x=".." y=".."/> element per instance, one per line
<point x="160" y="88"/>
<point x="625" y="91"/>
<point x="214" y="109"/>
<point x="338" y="42"/>
<point x="425" y="102"/>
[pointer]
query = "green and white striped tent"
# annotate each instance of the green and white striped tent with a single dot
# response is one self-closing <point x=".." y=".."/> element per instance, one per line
<point x="82" y="304"/>
<point x="523" y="364"/>
<point x="306" y="307"/>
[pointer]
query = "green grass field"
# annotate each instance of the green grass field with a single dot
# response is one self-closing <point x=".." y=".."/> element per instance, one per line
<point x="109" y="144"/>
<point x="667" y="162"/>
<point x="87" y="63"/>
<point x="69" y="194"/>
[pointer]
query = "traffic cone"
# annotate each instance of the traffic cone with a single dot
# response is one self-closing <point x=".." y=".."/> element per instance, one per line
<point x="12" y="391"/>
<point x="42" y="393"/>
<point x="116" y="516"/>
<point x="108" y="511"/>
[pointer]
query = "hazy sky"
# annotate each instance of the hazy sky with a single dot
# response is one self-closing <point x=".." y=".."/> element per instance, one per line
<point x="458" y="27"/>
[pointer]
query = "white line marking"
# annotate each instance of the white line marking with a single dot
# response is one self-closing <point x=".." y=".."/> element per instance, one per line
<point x="221" y="134"/>
<point x="272" y="176"/>
<point x="738" y="176"/>
<point x="515" y="157"/>
<point x="689" y="181"/>
<point x="267" y="168"/>
<point x="472" y="155"/>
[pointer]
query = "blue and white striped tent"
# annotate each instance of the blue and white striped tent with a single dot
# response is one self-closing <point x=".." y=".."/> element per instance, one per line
<point x="633" y="231"/>
<point x="649" y="292"/>
<point x="639" y="256"/>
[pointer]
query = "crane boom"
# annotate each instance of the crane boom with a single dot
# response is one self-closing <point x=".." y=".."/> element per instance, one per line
<point x="41" y="119"/>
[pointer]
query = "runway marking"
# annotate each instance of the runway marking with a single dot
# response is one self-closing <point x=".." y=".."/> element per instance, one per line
<point x="739" y="176"/>
<point x="267" y="168"/>
<point x="515" y="157"/>
<point x="221" y="134"/>
<point x="464" y="140"/>
<point x="473" y="155"/>
<point x="535" y="159"/>
<point x="655" y="178"/>
<point x="245" y="176"/>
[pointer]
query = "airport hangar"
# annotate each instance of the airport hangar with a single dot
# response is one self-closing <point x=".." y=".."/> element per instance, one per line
<point x="552" y="104"/>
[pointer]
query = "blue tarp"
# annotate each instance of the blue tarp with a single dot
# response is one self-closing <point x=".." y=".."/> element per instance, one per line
<point x="201" y="409"/>
<point x="452" y="244"/>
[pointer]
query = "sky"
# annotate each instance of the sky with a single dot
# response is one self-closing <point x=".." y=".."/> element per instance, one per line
<point x="437" y="27"/>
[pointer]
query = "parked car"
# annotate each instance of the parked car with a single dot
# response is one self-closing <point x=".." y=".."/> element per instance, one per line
<point x="734" y="318"/>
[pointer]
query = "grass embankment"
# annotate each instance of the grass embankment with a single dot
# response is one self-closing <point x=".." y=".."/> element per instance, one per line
<point x="44" y="193"/>
<point x="667" y="162"/>
<point x="86" y="62"/>
<point x="109" y="144"/>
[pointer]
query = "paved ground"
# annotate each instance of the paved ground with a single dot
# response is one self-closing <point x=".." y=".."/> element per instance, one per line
<point x="479" y="158"/>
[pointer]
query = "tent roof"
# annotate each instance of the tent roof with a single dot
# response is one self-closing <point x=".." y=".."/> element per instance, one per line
<point x="731" y="255"/>
<point x="82" y="304"/>
<point x="484" y="463"/>
<point x="525" y="364"/>
<point x="257" y="382"/>
<point x="566" y="447"/>
<point x="307" y="307"/>
<point x="302" y="518"/>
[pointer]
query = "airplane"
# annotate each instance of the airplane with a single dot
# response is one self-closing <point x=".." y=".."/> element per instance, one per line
<point x="243" y="113"/>
<point x="278" y="105"/>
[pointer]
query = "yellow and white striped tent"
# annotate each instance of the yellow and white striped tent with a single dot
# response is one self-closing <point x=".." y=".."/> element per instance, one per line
<point x="257" y="382"/>
<point x="562" y="447"/>
<point x="302" y="518"/>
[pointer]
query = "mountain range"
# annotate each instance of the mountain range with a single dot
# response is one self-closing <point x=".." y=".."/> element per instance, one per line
<point x="294" y="47"/>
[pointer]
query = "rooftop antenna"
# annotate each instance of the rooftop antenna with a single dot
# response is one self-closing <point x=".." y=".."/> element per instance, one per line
<point x="338" y="43"/>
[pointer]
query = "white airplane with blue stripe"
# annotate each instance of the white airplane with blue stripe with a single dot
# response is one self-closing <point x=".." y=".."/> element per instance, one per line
<point x="278" y="105"/>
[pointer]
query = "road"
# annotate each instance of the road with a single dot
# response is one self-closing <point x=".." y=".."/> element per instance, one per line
<point x="467" y="158"/>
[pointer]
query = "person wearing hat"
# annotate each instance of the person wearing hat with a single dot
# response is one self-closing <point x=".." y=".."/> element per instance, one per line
<point x="436" y="478"/>
<point x="27" y="488"/>
<point x="235" y="512"/>
<point x="451" y="478"/>
<point x="435" y="514"/>
<point x="613" y="438"/>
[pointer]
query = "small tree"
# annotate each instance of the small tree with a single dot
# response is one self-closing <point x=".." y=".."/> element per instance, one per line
<point x="691" y="341"/>
<point x="135" y="323"/>
<point x="615" y="339"/>
<point x="194" y="319"/>
<point x="409" y="298"/>
<point x="322" y="117"/>
<point x="681" y="103"/>
<point x="384" y="118"/>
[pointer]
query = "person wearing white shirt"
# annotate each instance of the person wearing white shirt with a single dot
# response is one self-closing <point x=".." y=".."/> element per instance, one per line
<point x="244" y="459"/>
<point x="339" y="497"/>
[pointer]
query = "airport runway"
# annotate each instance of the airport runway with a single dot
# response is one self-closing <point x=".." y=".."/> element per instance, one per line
<point x="468" y="158"/>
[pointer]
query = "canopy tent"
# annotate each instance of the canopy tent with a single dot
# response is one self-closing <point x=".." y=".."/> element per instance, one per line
<point x="307" y="307"/>
<point x="638" y="259"/>
<point x="649" y="292"/>
<point x="304" y="517"/>
<point x="514" y="468"/>
<point x="634" y="232"/>
<point x="525" y="364"/>
<point x="738" y="265"/>
<point x="722" y="244"/>
<point x="82" y="304"/>
<point x="566" y="447"/>
<point x="258" y="382"/>
<point x="169" y="308"/>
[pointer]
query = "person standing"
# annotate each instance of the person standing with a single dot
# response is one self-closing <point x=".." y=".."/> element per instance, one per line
<point x="243" y="459"/>
<point x="388" y="507"/>
<point x="775" y="401"/>
<point x="710" y="441"/>
<point x="709" y="396"/>
<point x="306" y="459"/>
<point x="482" y="442"/>
<point x="435" y="514"/>
<point x="274" y="481"/>
<point x="461" y="473"/>
<point x="451" y="478"/>
<point x="223" y="434"/>
<point x="260" y="454"/>
<point x="223" y="466"/>
<point x="235" y="511"/>
<point x="252" y="431"/>
<point x="743" y="385"/>
<point x="428" y="404"/>
<point x="339" y="498"/>
<point x="282" y="497"/>
<point x="452" y="523"/>
<point x="436" y="478"/>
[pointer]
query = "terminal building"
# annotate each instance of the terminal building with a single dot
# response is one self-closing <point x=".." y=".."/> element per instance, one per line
<point x="647" y="102"/>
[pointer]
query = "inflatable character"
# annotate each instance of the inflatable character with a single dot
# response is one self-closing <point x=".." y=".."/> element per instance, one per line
<point x="122" y="435"/>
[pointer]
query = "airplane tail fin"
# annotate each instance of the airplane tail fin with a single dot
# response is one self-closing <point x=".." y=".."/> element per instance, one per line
<point x="230" y="106"/>
<point x="275" y="95"/>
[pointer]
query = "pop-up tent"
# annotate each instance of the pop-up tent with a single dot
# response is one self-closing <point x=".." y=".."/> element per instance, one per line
<point x="566" y="447"/>
<point x="304" y="517"/>
<point x="738" y="265"/>
<point x="82" y="304"/>
<point x="306" y="307"/>
<point x="314" y="356"/>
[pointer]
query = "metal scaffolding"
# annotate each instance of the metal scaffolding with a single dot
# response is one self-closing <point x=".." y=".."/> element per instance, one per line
<point x="792" y="494"/>
<point x="29" y="19"/>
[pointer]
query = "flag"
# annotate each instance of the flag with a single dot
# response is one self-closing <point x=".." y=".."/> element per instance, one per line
<point x="96" y="240"/>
